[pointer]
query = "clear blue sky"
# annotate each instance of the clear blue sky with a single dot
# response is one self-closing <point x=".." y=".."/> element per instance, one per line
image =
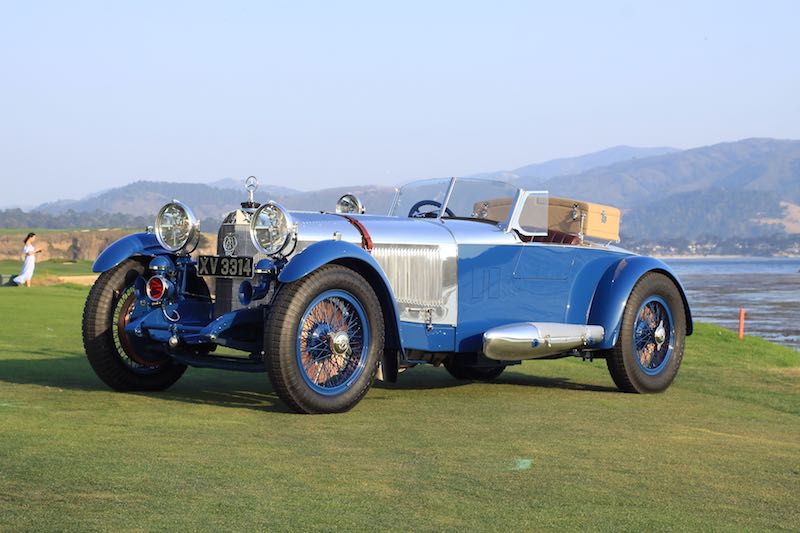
<point x="312" y="94"/>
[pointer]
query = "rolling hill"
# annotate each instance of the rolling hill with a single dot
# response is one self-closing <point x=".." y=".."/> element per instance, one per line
<point x="212" y="202"/>
<point x="237" y="185"/>
<point x="757" y="165"/>
<point x="537" y="173"/>
<point x="746" y="188"/>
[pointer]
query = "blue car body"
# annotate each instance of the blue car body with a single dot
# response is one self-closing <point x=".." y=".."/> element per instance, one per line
<point x="450" y="282"/>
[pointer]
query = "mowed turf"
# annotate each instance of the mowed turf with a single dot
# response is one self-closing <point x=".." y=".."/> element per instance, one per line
<point x="549" y="445"/>
<point x="47" y="269"/>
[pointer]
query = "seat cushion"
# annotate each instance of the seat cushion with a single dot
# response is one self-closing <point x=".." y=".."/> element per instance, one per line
<point x="557" y="237"/>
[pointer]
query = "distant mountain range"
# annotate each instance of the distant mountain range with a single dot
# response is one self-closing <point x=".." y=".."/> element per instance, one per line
<point x="744" y="188"/>
<point x="213" y="202"/>
<point x="537" y="173"/>
<point x="757" y="165"/>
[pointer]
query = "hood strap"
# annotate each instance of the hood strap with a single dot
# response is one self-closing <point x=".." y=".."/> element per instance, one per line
<point x="366" y="240"/>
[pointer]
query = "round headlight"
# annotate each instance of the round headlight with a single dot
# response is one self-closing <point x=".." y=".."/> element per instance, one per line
<point x="271" y="228"/>
<point x="177" y="228"/>
<point x="349" y="204"/>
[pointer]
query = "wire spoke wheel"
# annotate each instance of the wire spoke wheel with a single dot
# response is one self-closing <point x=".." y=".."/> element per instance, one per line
<point x="332" y="340"/>
<point x="116" y="357"/>
<point x="652" y="335"/>
<point x="323" y="340"/>
<point x="649" y="347"/>
<point x="124" y="345"/>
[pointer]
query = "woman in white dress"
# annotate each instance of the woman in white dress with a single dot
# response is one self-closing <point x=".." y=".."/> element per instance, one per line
<point x="29" y="263"/>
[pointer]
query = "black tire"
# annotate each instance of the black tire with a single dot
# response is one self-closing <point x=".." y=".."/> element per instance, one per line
<point x="281" y="340"/>
<point x="459" y="370"/>
<point x="112" y="355"/>
<point x="623" y="360"/>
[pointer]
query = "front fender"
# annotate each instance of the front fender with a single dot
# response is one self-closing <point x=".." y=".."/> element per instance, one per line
<point x="128" y="246"/>
<point x="614" y="289"/>
<point x="324" y="252"/>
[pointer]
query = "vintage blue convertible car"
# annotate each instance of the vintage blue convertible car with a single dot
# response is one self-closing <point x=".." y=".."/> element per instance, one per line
<point x="472" y="274"/>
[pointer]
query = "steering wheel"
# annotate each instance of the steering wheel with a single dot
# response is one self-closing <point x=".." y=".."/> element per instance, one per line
<point x="416" y="213"/>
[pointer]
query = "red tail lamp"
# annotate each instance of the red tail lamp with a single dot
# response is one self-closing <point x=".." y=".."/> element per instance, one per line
<point x="156" y="288"/>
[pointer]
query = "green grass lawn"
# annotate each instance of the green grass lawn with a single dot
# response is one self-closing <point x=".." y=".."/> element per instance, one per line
<point x="38" y="231"/>
<point x="550" y="445"/>
<point x="50" y="231"/>
<point x="48" y="268"/>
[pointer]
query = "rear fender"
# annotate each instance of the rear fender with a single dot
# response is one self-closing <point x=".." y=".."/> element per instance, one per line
<point x="615" y="287"/>
<point x="347" y="254"/>
<point x="138" y="244"/>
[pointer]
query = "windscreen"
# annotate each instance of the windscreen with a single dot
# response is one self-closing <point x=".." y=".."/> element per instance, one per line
<point x="470" y="198"/>
<point x="482" y="199"/>
<point x="420" y="198"/>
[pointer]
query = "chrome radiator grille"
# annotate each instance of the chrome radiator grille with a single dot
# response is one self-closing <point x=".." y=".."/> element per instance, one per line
<point x="414" y="272"/>
<point x="227" y="289"/>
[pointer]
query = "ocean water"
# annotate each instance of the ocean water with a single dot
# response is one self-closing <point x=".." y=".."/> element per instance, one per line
<point x="767" y="288"/>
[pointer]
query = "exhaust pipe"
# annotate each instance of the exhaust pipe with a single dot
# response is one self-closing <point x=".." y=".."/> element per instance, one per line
<point x="534" y="340"/>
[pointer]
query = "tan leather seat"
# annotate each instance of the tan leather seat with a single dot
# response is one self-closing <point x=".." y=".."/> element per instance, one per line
<point x="557" y="237"/>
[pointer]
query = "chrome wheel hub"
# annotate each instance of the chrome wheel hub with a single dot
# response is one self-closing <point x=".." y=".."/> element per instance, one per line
<point x="340" y="344"/>
<point x="660" y="335"/>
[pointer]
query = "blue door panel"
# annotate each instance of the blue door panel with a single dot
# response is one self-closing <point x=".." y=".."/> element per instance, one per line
<point x="544" y="262"/>
<point x="502" y="284"/>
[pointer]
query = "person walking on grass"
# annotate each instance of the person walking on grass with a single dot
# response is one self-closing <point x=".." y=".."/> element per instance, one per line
<point x="29" y="262"/>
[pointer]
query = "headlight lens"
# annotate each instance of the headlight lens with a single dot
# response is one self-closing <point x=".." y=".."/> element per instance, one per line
<point x="271" y="228"/>
<point x="177" y="227"/>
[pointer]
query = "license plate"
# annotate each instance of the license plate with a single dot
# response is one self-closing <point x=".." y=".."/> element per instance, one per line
<point x="226" y="267"/>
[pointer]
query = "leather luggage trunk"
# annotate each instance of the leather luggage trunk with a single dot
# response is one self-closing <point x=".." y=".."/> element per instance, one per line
<point x="595" y="221"/>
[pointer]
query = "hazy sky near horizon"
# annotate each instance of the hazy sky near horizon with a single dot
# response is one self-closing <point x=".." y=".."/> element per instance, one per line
<point x="314" y="94"/>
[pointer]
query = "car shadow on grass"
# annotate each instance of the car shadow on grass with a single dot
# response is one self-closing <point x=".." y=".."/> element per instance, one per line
<point x="198" y="386"/>
<point x="66" y="370"/>
<point x="428" y="378"/>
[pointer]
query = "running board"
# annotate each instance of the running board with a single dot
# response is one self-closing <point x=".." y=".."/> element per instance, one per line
<point x="535" y="340"/>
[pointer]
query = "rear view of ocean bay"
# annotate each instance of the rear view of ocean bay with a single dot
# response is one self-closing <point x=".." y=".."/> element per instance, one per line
<point x="768" y="289"/>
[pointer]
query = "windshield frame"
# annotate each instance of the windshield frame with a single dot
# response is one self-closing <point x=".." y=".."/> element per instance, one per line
<point x="510" y="224"/>
<point x="448" y="193"/>
<point x="398" y="193"/>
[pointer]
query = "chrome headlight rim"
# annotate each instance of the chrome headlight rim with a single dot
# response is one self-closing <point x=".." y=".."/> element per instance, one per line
<point x="285" y="241"/>
<point x="192" y="237"/>
<point x="350" y="204"/>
